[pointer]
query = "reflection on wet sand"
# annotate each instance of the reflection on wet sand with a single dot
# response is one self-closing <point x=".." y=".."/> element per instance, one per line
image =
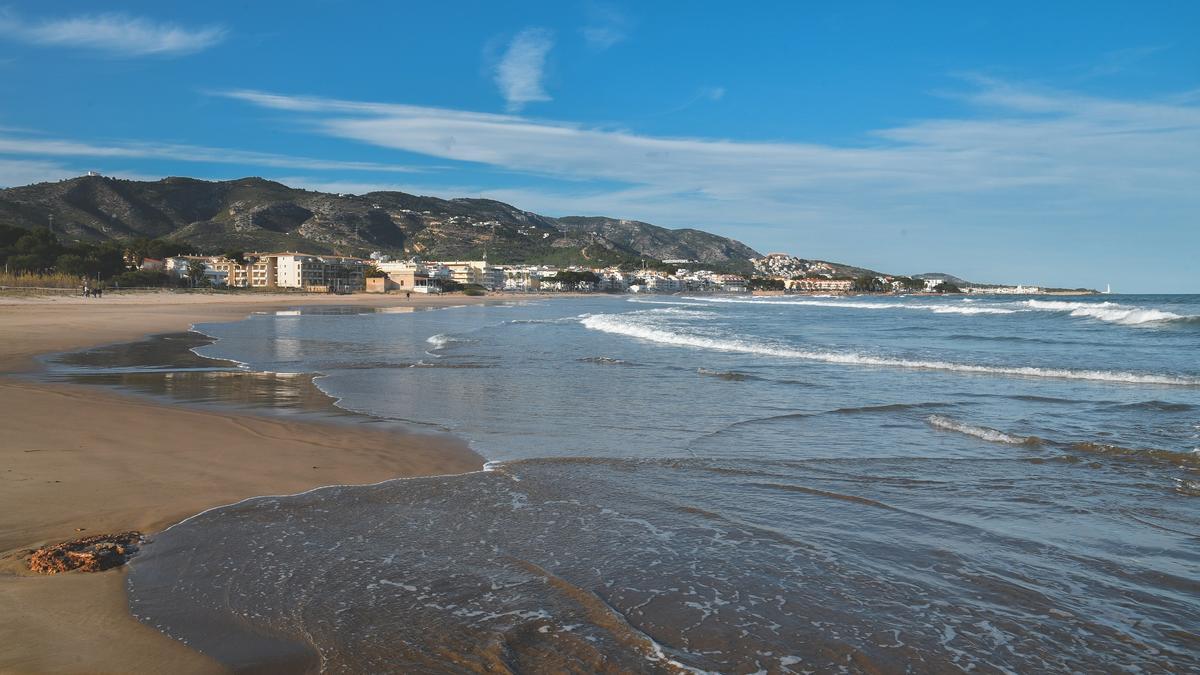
<point x="165" y="366"/>
<point x="292" y="392"/>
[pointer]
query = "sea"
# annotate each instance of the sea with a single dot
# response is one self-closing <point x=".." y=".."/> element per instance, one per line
<point x="729" y="484"/>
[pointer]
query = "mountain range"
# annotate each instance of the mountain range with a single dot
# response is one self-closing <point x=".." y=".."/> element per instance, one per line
<point x="254" y="214"/>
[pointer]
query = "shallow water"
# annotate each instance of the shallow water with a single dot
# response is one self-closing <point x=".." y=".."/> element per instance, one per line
<point x="727" y="484"/>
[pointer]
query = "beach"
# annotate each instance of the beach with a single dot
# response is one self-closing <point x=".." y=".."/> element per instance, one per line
<point x="79" y="461"/>
<point x="705" y="482"/>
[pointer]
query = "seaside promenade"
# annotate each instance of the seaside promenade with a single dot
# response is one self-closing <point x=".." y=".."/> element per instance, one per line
<point x="78" y="461"/>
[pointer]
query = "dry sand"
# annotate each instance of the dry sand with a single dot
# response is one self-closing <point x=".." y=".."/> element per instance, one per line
<point x="82" y="460"/>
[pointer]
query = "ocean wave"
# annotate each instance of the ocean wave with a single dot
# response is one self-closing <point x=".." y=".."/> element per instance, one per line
<point x="985" y="433"/>
<point x="442" y="340"/>
<point x="845" y="304"/>
<point x="728" y="375"/>
<point x="888" y="407"/>
<point x="643" y="301"/>
<point x="1155" y="405"/>
<point x="1015" y="338"/>
<point x="631" y="325"/>
<point x="518" y="322"/>
<point x="1171" y="456"/>
<point x="604" y="361"/>
<point x="1112" y="312"/>
<point x="678" y="311"/>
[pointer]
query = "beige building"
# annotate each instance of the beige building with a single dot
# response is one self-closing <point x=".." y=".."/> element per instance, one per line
<point x="477" y="272"/>
<point x="402" y="277"/>
<point x="257" y="272"/>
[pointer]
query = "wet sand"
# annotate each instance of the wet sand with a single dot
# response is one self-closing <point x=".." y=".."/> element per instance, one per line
<point x="79" y="460"/>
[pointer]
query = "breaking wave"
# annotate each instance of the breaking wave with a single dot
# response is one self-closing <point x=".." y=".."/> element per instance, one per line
<point x="442" y="340"/>
<point x="985" y="433"/>
<point x="629" y="325"/>
<point x="1112" y="312"/>
<point x="643" y="301"/>
<point x="936" y="309"/>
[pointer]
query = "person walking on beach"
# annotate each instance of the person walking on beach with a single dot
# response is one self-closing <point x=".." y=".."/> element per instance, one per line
<point x="87" y="292"/>
<point x="99" y="292"/>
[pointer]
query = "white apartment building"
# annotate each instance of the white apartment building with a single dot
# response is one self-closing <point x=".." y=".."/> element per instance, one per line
<point x="310" y="272"/>
<point x="657" y="284"/>
<point x="277" y="270"/>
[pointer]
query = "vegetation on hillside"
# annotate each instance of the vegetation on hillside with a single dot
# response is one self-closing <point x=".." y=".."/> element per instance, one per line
<point x="253" y="214"/>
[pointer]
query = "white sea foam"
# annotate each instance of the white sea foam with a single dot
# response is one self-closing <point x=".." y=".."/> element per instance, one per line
<point x="675" y="312"/>
<point x="643" y="301"/>
<point x="1110" y="311"/>
<point x="851" y="304"/>
<point x="643" y="327"/>
<point x="442" y="340"/>
<point x="985" y="433"/>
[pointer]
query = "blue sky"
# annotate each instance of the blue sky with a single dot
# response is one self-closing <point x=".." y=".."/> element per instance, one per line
<point x="1052" y="143"/>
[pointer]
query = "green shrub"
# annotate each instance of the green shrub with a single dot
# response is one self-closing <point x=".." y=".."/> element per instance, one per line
<point x="141" y="279"/>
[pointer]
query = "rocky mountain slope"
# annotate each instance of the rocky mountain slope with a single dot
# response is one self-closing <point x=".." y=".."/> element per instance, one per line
<point x="257" y="214"/>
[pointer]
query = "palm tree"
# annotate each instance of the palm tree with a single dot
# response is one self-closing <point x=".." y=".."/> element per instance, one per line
<point x="195" y="271"/>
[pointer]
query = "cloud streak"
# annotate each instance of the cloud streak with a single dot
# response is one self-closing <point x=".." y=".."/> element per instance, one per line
<point x="606" y="27"/>
<point x="521" y="69"/>
<point x="1025" y="139"/>
<point x="43" y="147"/>
<point x="113" y="33"/>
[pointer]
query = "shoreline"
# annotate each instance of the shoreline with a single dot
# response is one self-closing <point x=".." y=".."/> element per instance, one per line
<point x="79" y="460"/>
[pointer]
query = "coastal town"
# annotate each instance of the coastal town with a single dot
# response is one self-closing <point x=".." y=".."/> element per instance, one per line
<point x="379" y="273"/>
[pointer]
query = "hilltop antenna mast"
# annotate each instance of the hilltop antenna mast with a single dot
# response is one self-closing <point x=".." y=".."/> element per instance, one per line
<point x="485" y="246"/>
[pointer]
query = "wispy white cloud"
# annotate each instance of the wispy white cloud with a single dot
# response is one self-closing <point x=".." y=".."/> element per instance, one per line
<point x="41" y="147"/>
<point x="1122" y="61"/>
<point x="1030" y="139"/>
<point x="521" y="69"/>
<point x="602" y="37"/>
<point x="113" y="33"/>
<point x="23" y="171"/>
<point x="606" y="27"/>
